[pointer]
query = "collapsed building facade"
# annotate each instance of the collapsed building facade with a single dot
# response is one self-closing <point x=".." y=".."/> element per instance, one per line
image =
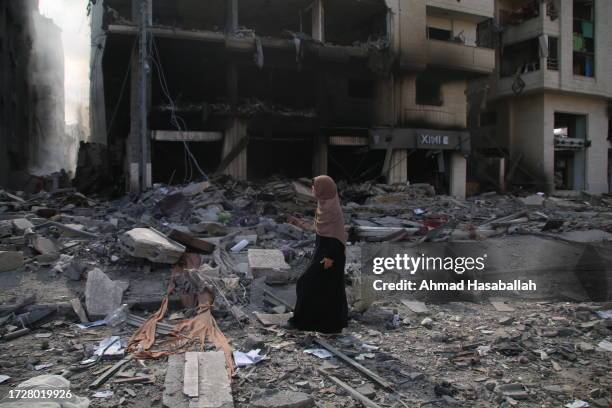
<point x="549" y="104"/>
<point x="349" y="88"/>
<point x="33" y="137"/>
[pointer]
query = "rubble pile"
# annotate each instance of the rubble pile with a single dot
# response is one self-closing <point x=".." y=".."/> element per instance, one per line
<point x="107" y="293"/>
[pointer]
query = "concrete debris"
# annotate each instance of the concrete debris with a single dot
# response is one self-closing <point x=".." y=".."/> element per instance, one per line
<point x="451" y="350"/>
<point x="284" y="399"/>
<point x="197" y="380"/>
<point x="269" y="263"/>
<point x="152" y="245"/>
<point x="10" y="260"/>
<point x="102" y="295"/>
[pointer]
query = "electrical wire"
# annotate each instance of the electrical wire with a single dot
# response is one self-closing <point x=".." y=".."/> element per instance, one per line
<point x="178" y="122"/>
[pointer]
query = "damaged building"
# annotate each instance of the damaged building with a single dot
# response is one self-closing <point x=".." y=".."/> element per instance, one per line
<point x="354" y="89"/>
<point x="546" y="112"/>
<point x="33" y="137"/>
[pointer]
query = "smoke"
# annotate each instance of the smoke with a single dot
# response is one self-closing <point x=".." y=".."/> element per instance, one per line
<point x="59" y="76"/>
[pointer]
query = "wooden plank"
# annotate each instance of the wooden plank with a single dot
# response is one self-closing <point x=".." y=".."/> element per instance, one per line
<point x="351" y="391"/>
<point x="191" y="375"/>
<point x="78" y="309"/>
<point x="109" y="373"/>
<point x="372" y="375"/>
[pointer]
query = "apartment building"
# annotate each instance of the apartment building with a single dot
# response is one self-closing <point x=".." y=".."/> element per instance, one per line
<point x="251" y="88"/>
<point x="549" y="103"/>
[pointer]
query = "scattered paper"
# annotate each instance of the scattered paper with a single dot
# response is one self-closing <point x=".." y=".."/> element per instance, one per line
<point x="3" y="378"/>
<point x="111" y="346"/>
<point x="103" y="394"/>
<point x="363" y="356"/>
<point x="369" y="347"/>
<point x="42" y="366"/>
<point x="319" y="352"/>
<point x="245" y="359"/>
<point x="97" y="323"/>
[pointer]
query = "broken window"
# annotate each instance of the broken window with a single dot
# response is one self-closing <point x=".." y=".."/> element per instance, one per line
<point x="428" y="91"/>
<point x="584" y="38"/>
<point x="520" y="58"/>
<point x="515" y="12"/>
<point x="439" y="34"/>
<point x="350" y="22"/>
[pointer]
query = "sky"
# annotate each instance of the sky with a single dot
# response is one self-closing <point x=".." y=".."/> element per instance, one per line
<point x="71" y="17"/>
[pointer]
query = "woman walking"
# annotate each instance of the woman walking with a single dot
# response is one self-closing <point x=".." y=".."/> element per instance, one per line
<point x="321" y="299"/>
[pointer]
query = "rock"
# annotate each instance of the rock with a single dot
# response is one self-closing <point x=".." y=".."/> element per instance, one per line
<point x="505" y="320"/>
<point x="74" y="270"/>
<point x="513" y="390"/>
<point x="415" y="376"/>
<point x="254" y="341"/>
<point x="6" y="228"/>
<point x="490" y="385"/>
<point x="21" y="225"/>
<point x="533" y="200"/>
<point x="10" y="260"/>
<point x="269" y="263"/>
<point x="152" y="245"/>
<point x="366" y="390"/>
<point x="427" y="323"/>
<point x="284" y="399"/>
<point x="102" y="295"/>
<point x="46" y="382"/>
<point x="44" y="246"/>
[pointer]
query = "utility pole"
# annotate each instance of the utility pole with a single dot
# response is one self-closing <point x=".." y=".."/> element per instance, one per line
<point x="143" y="54"/>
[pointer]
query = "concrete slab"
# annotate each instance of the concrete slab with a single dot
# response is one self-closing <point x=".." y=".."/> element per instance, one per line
<point x="215" y="390"/>
<point x="173" y="396"/>
<point x="269" y="263"/>
<point x="102" y="295"/>
<point x="152" y="245"/>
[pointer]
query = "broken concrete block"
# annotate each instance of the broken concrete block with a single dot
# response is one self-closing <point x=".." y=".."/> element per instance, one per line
<point x="284" y="399"/>
<point x="6" y="228"/>
<point x="534" y="200"/>
<point x="21" y="225"/>
<point x="269" y="263"/>
<point x="10" y="260"/>
<point x="214" y="387"/>
<point x="152" y="245"/>
<point x="44" y="246"/>
<point x="102" y="295"/>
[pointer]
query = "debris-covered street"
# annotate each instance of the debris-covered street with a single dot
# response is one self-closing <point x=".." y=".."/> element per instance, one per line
<point x="69" y="262"/>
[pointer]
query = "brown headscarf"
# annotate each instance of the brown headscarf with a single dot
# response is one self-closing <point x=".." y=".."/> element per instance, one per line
<point x="329" y="221"/>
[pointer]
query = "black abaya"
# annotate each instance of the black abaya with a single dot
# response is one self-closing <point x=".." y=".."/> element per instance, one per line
<point x="321" y="299"/>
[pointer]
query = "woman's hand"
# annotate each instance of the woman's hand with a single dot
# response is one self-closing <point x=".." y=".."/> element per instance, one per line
<point x="327" y="263"/>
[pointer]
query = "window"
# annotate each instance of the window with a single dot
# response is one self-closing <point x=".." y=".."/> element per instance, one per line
<point x="428" y="91"/>
<point x="439" y="34"/>
<point x="360" y="88"/>
<point x="584" y="38"/>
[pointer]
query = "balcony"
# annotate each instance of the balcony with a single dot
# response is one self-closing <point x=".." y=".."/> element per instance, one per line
<point x="482" y="8"/>
<point x="460" y="57"/>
